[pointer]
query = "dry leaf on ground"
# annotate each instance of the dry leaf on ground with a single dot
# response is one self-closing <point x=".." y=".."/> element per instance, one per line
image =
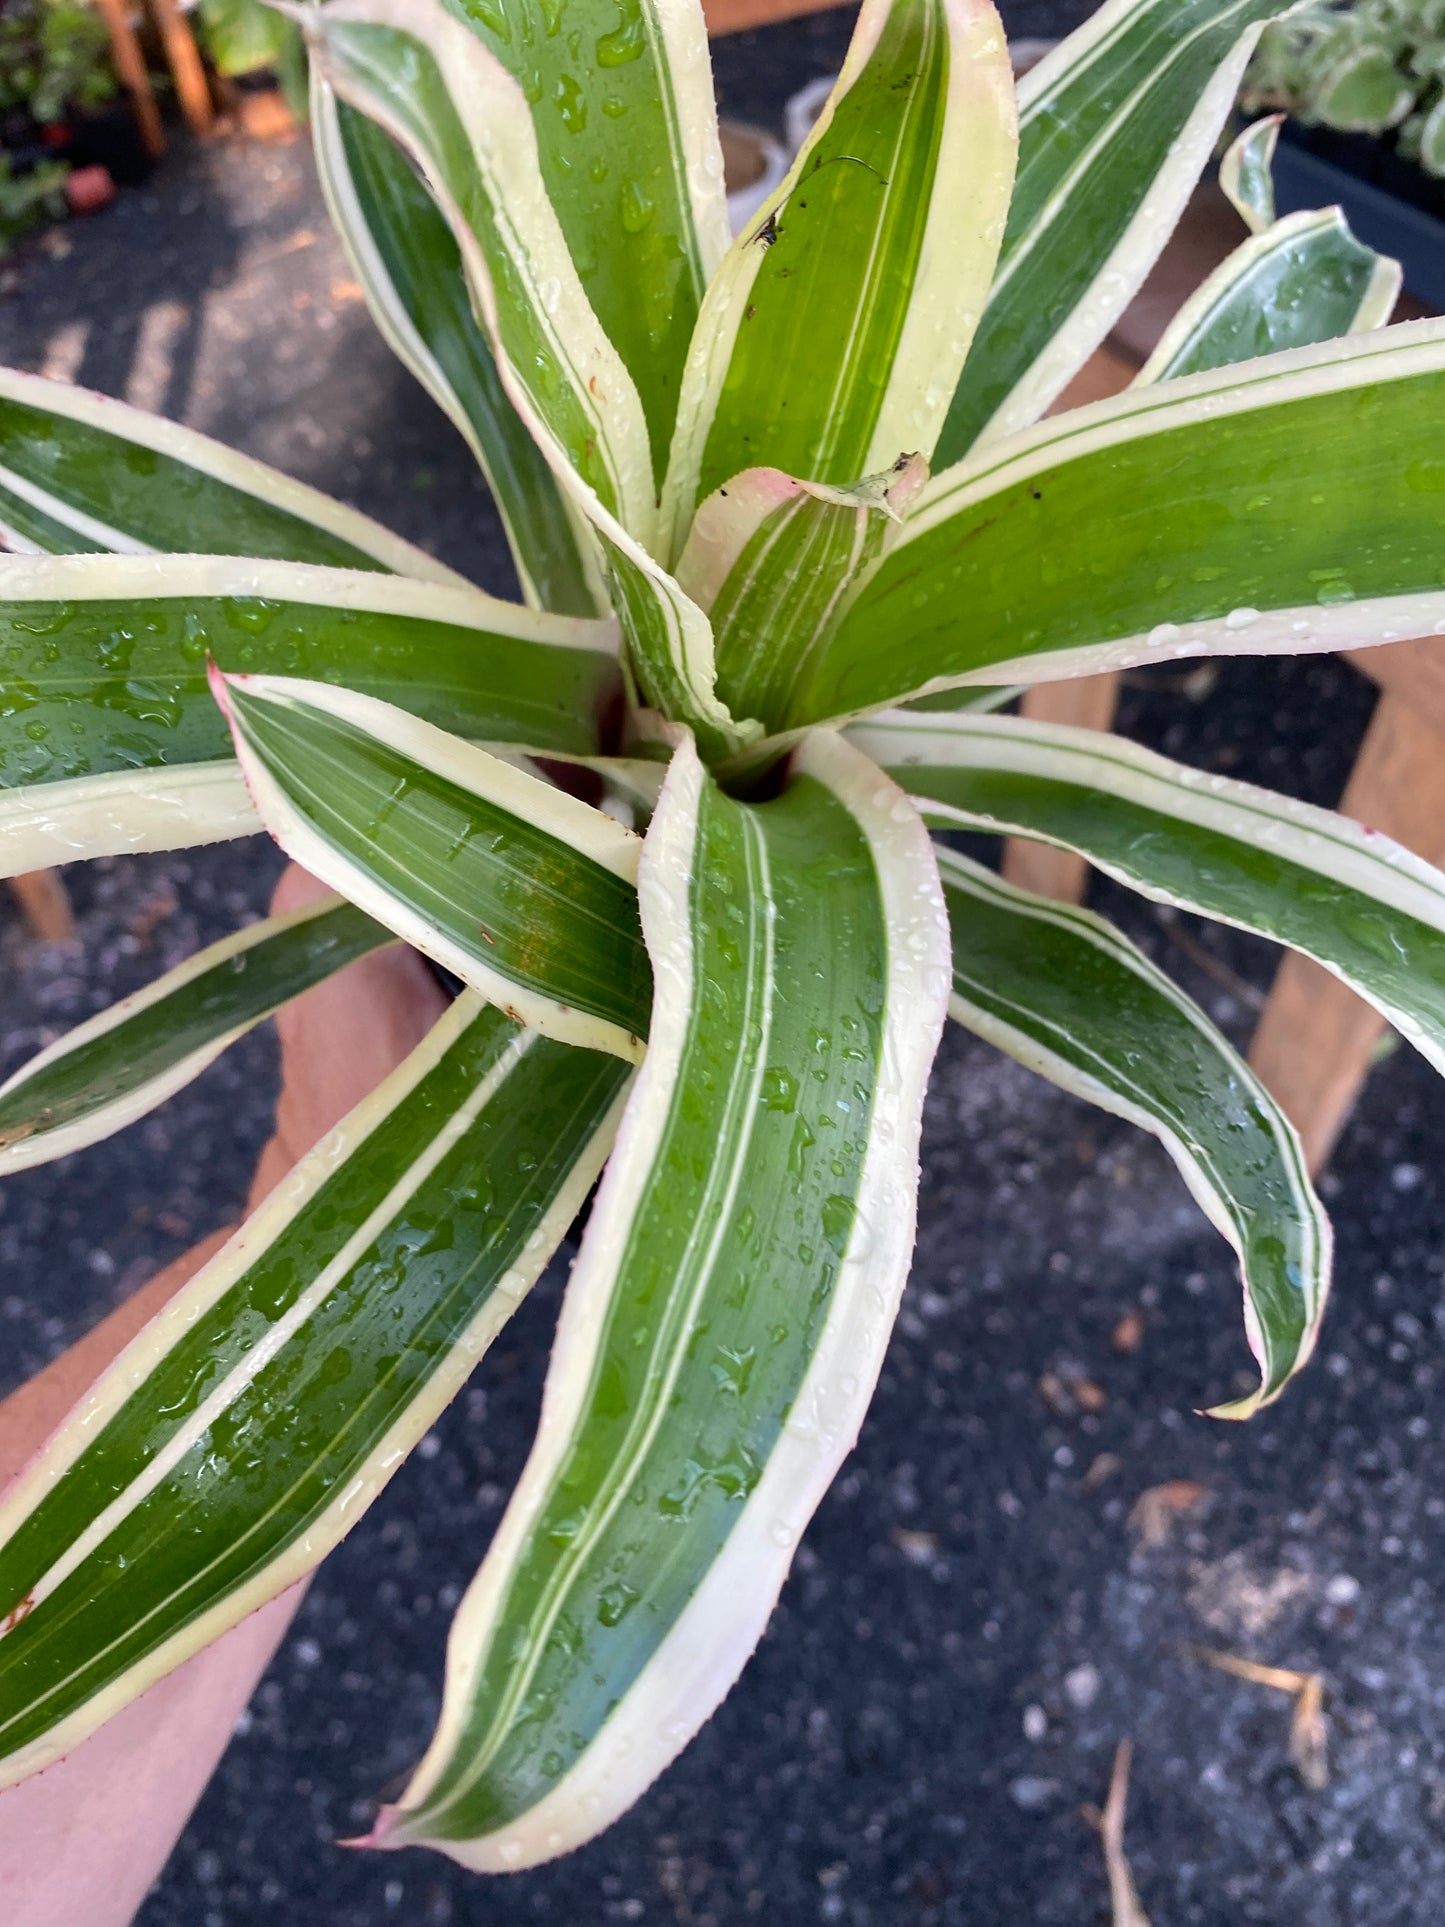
<point x="1126" y="1907"/>
<point x="1308" y="1732"/>
<point x="1155" y="1512"/>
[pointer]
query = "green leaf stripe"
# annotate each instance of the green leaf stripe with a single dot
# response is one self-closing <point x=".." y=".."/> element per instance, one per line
<point x="79" y="473"/>
<point x="408" y="262"/>
<point x="725" y="1322"/>
<point x="246" y="1429"/>
<point x="1350" y="898"/>
<point x="1069" y="997"/>
<point x="103" y="658"/>
<point x="1115" y="128"/>
<point x="888" y="225"/>
<point x="528" y="894"/>
<point x="1176" y="520"/>
<point x="122" y="1063"/>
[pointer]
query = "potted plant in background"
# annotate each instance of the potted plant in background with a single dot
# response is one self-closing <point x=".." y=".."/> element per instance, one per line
<point x="261" y="53"/>
<point x="58" y="145"/>
<point x="1364" y="81"/>
<point x="760" y="496"/>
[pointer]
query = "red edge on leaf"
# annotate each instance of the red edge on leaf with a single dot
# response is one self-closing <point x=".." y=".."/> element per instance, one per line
<point x="219" y="683"/>
<point x="383" y="1827"/>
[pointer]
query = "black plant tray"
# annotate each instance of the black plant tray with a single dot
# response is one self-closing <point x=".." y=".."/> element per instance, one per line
<point x="1390" y="203"/>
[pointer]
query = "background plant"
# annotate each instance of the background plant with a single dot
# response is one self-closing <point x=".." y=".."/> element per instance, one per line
<point x="1362" y="67"/>
<point x="246" y="37"/>
<point x="54" y="56"/>
<point x="25" y="198"/>
<point x="764" y="498"/>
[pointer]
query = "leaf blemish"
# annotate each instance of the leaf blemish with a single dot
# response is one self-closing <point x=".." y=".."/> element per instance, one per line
<point x="17" y="1613"/>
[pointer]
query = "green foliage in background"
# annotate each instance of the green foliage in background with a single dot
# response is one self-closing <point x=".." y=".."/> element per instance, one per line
<point x="247" y="37"/>
<point x="54" y="55"/>
<point x="1361" y="67"/>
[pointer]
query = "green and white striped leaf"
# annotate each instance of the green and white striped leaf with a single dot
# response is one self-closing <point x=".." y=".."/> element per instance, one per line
<point x="526" y="893"/>
<point x="427" y="80"/>
<point x="726" y="1319"/>
<point x="1352" y="899"/>
<point x="1068" y="996"/>
<point x="104" y="705"/>
<point x="1246" y="173"/>
<point x="1182" y="519"/>
<point x="407" y="261"/>
<point x="79" y="472"/>
<point x="833" y="335"/>
<point x="1305" y="280"/>
<point x="627" y="139"/>
<point x="1115" y="127"/>
<point x="668" y="642"/>
<point x="772" y="559"/>
<point x="248" y="1427"/>
<point x="1299" y="281"/>
<point x="114" y="1068"/>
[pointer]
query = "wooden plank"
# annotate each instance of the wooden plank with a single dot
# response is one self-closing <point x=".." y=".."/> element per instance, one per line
<point x="1316" y="1038"/>
<point x="1089" y="702"/>
<point x="45" y="905"/>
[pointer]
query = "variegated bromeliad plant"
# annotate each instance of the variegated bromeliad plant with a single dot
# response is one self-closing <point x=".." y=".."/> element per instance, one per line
<point x="763" y="497"/>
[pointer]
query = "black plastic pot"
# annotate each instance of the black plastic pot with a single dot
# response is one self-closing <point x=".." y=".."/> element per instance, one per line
<point x="1394" y="206"/>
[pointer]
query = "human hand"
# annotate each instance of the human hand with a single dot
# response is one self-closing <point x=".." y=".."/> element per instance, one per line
<point x="83" y="1841"/>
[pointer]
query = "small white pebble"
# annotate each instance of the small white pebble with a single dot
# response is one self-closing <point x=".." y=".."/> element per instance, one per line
<point x="1342" y="1590"/>
<point x="1031" y="1793"/>
<point x="1405" y="1177"/>
<point x="1036" y="1723"/>
<point x="1081" y="1687"/>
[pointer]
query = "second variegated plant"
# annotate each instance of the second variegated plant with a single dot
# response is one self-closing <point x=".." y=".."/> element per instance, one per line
<point x="669" y="821"/>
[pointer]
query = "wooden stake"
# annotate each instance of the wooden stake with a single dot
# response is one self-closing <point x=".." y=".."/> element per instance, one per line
<point x="1316" y="1038"/>
<point x="184" y="59"/>
<point x="45" y="905"/>
<point x="130" y="68"/>
<point x="1088" y="702"/>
